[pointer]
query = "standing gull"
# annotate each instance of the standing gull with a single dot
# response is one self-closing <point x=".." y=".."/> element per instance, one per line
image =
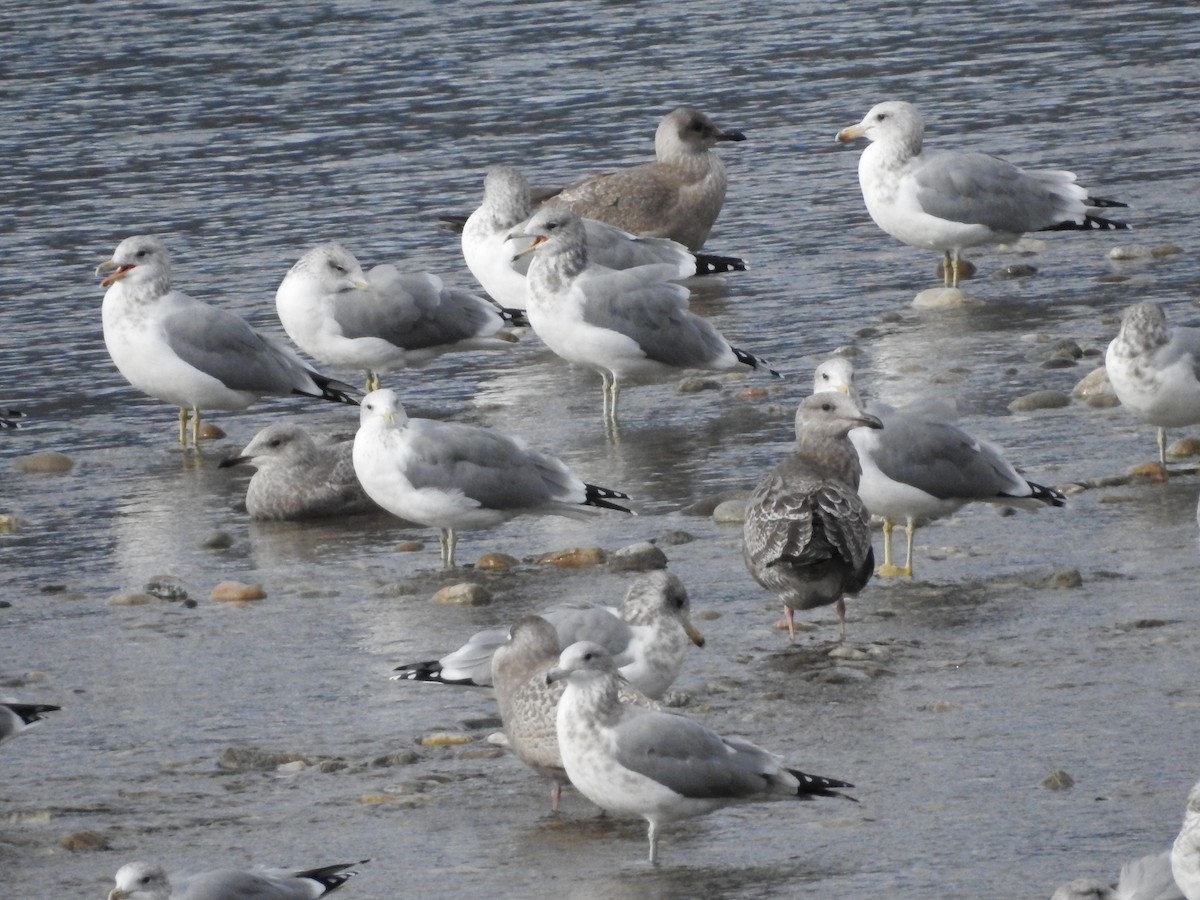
<point x="1185" y="852"/>
<point x="298" y="477"/>
<point x="498" y="265"/>
<point x="462" y="477"/>
<point x="184" y="352"/>
<point x="807" y="535"/>
<point x="647" y="635"/>
<point x="920" y="468"/>
<point x="657" y="764"/>
<point x="1155" y="370"/>
<point x="678" y="196"/>
<point x="17" y="717"/>
<point x="952" y="199"/>
<point x="385" y="319"/>
<point x="1146" y="878"/>
<point x="529" y="704"/>
<point x="620" y="323"/>
<point x="146" y="881"/>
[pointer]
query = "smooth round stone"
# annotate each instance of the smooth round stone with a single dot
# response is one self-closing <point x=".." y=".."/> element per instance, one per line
<point x="132" y="599"/>
<point x="445" y="739"/>
<point x="966" y="269"/>
<point x="211" y="432"/>
<point x="1067" y="578"/>
<point x="1058" y="781"/>
<point x="1165" y="250"/>
<point x="697" y="383"/>
<point x="217" y="540"/>
<point x="1184" y="448"/>
<point x="465" y="594"/>
<point x="1017" y="270"/>
<point x="574" y="558"/>
<point x="1129" y="251"/>
<point x="497" y="562"/>
<point x="730" y="512"/>
<point x="409" y="547"/>
<point x="753" y="393"/>
<point x="237" y="592"/>
<point x="47" y="463"/>
<point x="640" y="557"/>
<point x="1095" y="389"/>
<point x="940" y="298"/>
<point x="706" y="506"/>
<point x="84" y="842"/>
<point x="1040" y="400"/>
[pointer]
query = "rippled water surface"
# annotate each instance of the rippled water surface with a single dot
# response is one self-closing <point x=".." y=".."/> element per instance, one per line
<point x="244" y="135"/>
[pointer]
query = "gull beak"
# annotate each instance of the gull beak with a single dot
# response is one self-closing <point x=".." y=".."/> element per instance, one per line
<point x="538" y="240"/>
<point x="234" y="461"/>
<point x="843" y="389"/>
<point x="693" y="634"/>
<point x="118" y="271"/>
<point x="362" y="285"/>
<point x="555" y="674"/>
<point x="730" y="136"/>
<point x="868" y="421"/>
<point x="118" y="894"/>
<point x="390" y="418"/>
<point x="853" y="133"/>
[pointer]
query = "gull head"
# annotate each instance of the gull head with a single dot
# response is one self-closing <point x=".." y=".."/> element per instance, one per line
<point x="506" y="194"/>
<point x="656" y="595"/>
<point x="382" y="407"/>
<point x="332" y="268"/>
<point x="282" y="442"/>
<point x="582" y="662"/>
<point x="836" y="374"/>
<point x="141" y="259"/>
<point x="141" y="881"/>
<point x="552" y="228"/>
<point x="830" y="415"/>
<point x="891" y="122"/>
<point x="690" y="128"/>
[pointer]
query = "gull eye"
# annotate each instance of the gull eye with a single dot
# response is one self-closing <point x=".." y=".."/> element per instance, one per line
<point x="827" y="407"/>
<point x="141" y="254"/>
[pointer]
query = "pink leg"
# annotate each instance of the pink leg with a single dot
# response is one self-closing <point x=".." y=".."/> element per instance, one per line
<point x="555" y="796"/>
<point x="788" y="613"/>
<point x="841" y="611"/>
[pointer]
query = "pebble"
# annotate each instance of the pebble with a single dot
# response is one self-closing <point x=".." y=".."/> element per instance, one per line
<point x="445" y="739"/>
<point x="1148" y="473"/>
<point x="296" y="765"/>
<point x="48" y="463"/>
<point x="409" y="547"/>
<point x="217" y="540"/>
<point x="841" y="651"/>
<point x="211" y="432"/>
<point x="753" y="393"/>
<point x="1066" y="578"/>
<point x="730" y="512"/>
<point x="252" y="759"/>
<point x="706" y="506"/>
<point x="640" y="557"/>
<point x="697" y="383"/>
<point x="497" y="562"/>
<point x="1096" y="390"/>
<point x="674" y="538"/>
<point x="1129" y="251"/>
<point x="136" y="598"/>
<point x="84" y="842"/>
<point x="1184" y="448"/>
<point x="1040" y="400"/>
<point x="465" y="594"/>
<point x="237" y="592"/>
<point x="575" y="558"/>
<point x="1165" y="250"/>
<point x="1017" y="270"/>
<point x="1058" y="781"/>
<point x="482" y="753"/>
<point x="941" y="298"/>
<point x="405" y="757"/>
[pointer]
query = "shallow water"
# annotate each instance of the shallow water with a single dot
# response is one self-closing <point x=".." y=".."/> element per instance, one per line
<point x="243" y="136"/>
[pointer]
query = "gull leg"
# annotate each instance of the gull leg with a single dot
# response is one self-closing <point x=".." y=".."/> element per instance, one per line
<point x="841" y="611"/>
<point x="448" y="540"/>
<point x="888" y="569"/>
<point x="654" y="843"/>
<point x="947" y="269"/>
<point x="1162" y="447"/>
<point x="555" y="796"/>
<point x="196" y="428"/>
<point x="183" y="420"/>
<point x="788" y="615"/>
<point x="909" y="530"/>
<point x="373" y="381"/>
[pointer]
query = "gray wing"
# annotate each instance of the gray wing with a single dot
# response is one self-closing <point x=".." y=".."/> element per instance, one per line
<point x="230" y="884"/>
<point x="591" y="622"/>
<point x="616" y="248"/>
<point x="686" y="757"/>
<point x="473" y="659"/>
<point x="979" y="189"/>
<point x="497" y="470"/>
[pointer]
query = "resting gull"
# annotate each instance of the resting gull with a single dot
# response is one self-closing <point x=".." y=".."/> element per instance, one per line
<point x="385" y="319"/>
<point x="462" y="477"/>
<point x="299" y="477"/>
<point x="647" y="634"/>
<point x="1145" y="878"/>
<point x="919" y="467"/>
<point x="1185" y="852"/>
<point x="807" y="535"/>
<point x="620" y="323"/>
<point x="187" y="353"/>
<point x="146" y="881"/>
<point x="658" y="764"/>
<point x="678" y="196"/>
<point x="17" y="717"/>
<point x="497" y="263"/>
<point x="952" y="199"/>
<point x="1155" y="370"/>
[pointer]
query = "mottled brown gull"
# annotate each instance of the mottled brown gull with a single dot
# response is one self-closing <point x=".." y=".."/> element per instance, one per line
<point x="920" y="467"/>
<point x="648" y="635"/>
<point x="17" y="717"/>
<point x="458" y="477"/>
<point x="187" y="353"/>
<point x="658" y="764"/>
<point x="299" y="476"/>
<point x="949" y="200"/>
<point x="620" y="323"/>
<point x="807" y="534"/>
<point x="385" y="319"/>
<point x="146" y="881"/>
<point x="528" y="703"/>
<point x="1155" y="370"/>
<point x="678" y="196"/>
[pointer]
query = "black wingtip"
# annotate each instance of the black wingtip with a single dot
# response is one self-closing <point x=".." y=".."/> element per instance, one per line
<point x="1047" y="495"/>
<point x="1104" y="203"/>
<point x="754" y="362"/>
<point x="332" y="877"/>
<point x="8" y="418"/>
<point x="515" y="317"/>
<point x="1090" y="223"/>
<point x="31" y="712"/>
<point x="602" y="498"/>
<point x="333" y="390"/>
<point x="452" y="223"/>
<point x="428" y="672"/>
<point x="820" y="786"/>
<point x="712" y="264"/>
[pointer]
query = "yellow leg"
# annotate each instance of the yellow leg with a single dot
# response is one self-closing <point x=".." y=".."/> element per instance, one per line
<point x="196" y="428"/>
<point x="1162" y="447"/>
<point x="374" y="383"/>
<point x="183" y="420"/>
<point x="888" y="569"/>
<point x="949" y="270"/>
<point x="909" y="530"/>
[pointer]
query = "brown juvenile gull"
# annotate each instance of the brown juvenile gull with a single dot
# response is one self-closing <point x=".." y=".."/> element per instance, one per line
<point x="1155" y="370"/>
<point x="1185" y="852"/>
<point x="952" y="199"/>
<point x="679" y="196"/>
<point x="528" y="703"/>
<point x="146" y="881"/>
<point x="807" y="534"/>
<point x="500" y="267"/>
<point x="620" y="323"/>
<point x="187" y="353"/>
<point x="462" y="477"/>
<point x="658" y="764"/>
<point x="17" y="717"/>
<point x="385" y="319"/>
<point x="919" y="467"/>
<point x="1146" y="878"/>
<point x="648" y="635"/>
<point x="299" y="477"/>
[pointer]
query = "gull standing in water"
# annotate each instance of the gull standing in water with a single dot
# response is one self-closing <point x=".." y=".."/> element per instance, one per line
<point x="658" y="764"/>
<point x="949" y="200"/>
<point x="919" y="467"/>
<point x="678" y="196"/>
<point x="807" y="535"/>
<point x="385" y="319"/>
<point x="620" y="323"/>
<point x="187" y="353"/>
<point x="462" y="477"/>
<point x="146" y="881"/>
<point x="1155" y="370"/>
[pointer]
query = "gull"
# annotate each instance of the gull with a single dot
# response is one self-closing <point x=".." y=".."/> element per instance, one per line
<point x="807" y="535"/>
<point x="1146" y="878"/>
<point x="385" y="319"/>
<point x="299" y="478"/>
<point x="658" y="764"/>
<point x="620" y="323"/>
<point x="498" y="265"/>
<point x="17" y="717"/>
<point x="678" y="196"/>
<point x="1185" y="852"/>
<point x="528" y="703"/>
<point x="187" y="353"/>
<point x="919" y="467"/>
<point x="1155" y="370"/>
<point x="647" y="634"/>
<point x="952" y="199"/>
<point x="146" y="881"/>
<point x="462" y="477"/>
